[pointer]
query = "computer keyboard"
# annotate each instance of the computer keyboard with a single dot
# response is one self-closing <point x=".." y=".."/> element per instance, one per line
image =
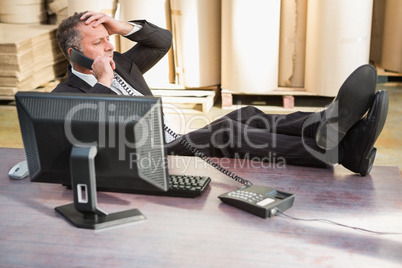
<point x="186" y="186"/>
<point x="181" y="186"/>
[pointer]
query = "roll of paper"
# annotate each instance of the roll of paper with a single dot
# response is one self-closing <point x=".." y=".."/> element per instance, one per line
<point x="196" y="26"/>
<point x="250" y="45"/>
<point x="292" y="43"/>
<point x="377" y="31"/>
<point x="80" y="6"/>
<point x="156" y="12"/>
<point x="391" y="59"/>
<point x="337" y="42"/>
<point x="23" y="11"/>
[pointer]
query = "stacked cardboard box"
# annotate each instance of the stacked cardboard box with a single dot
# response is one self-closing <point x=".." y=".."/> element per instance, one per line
<point x="29" y="57"/>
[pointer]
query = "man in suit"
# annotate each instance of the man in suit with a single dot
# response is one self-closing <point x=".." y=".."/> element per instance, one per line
<point x="344" y="133"/>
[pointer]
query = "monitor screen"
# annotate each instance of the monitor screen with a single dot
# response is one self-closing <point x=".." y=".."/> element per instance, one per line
<point x="93" y="142"/>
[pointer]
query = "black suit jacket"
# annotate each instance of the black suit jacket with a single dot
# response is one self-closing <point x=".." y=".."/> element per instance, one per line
<point x="152" y="44"/>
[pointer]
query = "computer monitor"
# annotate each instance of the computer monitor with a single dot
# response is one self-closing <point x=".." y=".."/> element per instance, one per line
<point x="91" y="142"/>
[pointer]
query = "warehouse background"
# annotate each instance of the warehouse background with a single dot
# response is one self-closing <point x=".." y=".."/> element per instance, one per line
<point x="242" y="52"/>
<point x="247" y="47"/>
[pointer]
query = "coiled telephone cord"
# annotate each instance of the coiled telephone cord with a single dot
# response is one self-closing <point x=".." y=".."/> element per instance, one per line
<point x="201" y="155"/>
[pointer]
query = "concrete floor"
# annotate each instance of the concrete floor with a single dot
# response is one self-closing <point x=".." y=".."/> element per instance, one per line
<point x="388" y="145"/>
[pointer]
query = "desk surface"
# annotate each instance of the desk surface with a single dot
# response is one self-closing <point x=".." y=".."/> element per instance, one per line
<point x="204" y="232"/>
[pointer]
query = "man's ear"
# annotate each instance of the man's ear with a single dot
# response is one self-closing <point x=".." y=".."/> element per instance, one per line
<point x="69" y="51"/>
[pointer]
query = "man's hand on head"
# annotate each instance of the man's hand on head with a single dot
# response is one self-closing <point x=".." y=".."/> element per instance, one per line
<point x="112" y="25"/>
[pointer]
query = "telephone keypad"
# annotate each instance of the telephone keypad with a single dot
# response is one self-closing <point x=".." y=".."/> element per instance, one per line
<point x="245" y="195"/>
<point x="251" y="197"/>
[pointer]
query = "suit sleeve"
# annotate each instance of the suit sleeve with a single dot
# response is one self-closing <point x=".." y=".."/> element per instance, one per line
<point x="152" y="43"/>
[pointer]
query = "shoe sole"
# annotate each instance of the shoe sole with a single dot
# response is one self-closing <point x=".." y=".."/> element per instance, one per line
<point x="367" y="161"/>
<point x="330" y="132"/>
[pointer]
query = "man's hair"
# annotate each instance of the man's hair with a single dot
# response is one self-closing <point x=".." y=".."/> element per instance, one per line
<point x="67" y="34"/>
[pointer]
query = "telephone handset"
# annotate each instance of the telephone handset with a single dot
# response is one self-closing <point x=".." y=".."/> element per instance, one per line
<point x="81" y="59"/>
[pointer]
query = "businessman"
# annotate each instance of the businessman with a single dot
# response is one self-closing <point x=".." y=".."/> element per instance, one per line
<point x="345" y="132"/>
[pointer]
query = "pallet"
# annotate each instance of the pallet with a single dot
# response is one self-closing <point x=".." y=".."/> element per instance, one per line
<point x="193" y="100"/>
<point x="387" y="78"/>
<point x="288" y="96"/>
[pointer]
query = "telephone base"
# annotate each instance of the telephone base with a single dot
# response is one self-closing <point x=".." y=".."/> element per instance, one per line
<point x="262" y="201"/>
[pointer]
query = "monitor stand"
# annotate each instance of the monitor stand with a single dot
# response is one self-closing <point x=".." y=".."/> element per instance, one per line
<point x="84" y="212"/>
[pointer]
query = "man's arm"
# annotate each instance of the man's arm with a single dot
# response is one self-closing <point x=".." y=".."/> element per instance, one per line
<point x="153" y="43"/>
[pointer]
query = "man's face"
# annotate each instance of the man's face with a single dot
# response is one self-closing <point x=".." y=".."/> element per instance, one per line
<point x="95" y="41"/>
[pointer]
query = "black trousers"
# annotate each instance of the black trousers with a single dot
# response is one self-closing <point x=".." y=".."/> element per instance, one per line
<point x="249" y="133"/>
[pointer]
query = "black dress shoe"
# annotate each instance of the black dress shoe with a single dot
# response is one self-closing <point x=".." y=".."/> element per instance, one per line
<point x="358" y="146"/>
<point x="349" y="106"/>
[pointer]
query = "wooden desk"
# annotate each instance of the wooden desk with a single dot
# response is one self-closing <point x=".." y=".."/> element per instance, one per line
<point x="204" y="232"/>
